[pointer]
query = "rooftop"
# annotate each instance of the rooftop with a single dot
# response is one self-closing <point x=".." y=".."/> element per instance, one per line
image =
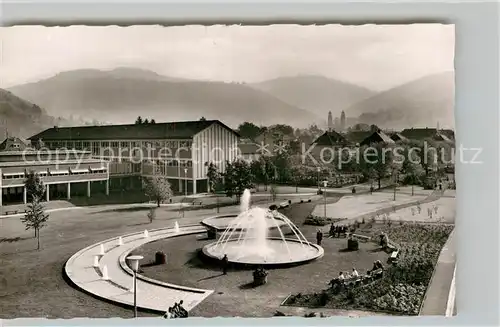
<point x="426" y="133"/>
<point x="331" y="138"/>
<point x="357" y="136"/>
<point x="397" y="137"/>
<point x="377" y="137"/>
<point x="12" y="143"/>
<point x="170" y="130"/>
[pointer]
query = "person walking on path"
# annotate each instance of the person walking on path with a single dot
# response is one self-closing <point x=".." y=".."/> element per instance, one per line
<point x="319" y="237"/>
<point x="225" y="264"/>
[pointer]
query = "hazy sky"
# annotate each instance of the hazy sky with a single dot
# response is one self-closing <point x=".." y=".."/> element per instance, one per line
<point x="377" y="57"/>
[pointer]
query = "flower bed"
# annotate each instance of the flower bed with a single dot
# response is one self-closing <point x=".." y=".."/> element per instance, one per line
<point x="402" y="288"/>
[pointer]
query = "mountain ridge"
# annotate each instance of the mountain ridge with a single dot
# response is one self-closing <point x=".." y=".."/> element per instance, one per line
<point x="108" y="95"/>
<point x="421" y="102"/>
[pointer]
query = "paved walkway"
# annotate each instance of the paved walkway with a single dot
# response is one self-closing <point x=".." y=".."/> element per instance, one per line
<point x="152" y="295"/>
<point x="437" y="298"/>
<point x="354" y="206"/>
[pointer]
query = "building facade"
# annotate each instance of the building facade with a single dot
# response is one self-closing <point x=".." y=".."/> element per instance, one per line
<point x="64" y="175"/>
<point x="179" y="151"/>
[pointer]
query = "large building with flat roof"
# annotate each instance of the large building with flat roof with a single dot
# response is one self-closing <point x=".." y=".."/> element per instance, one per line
<point x="63" y="173"/>
<point x="180" y="151"/>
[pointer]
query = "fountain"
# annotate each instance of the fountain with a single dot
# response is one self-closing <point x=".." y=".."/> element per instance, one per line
<point x="102" y="252"/>
<point x="146" y="234"/>
<point x="246" y="238"/>
<point x="120" y="241"/>
<point x="105" y="273"/>
<point x="176" y="227"/>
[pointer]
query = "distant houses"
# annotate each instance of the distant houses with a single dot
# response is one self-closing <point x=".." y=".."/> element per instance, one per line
<point x="377" y="137"/>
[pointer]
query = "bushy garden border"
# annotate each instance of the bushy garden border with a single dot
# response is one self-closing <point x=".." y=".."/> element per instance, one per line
<point x="402" y="288"/>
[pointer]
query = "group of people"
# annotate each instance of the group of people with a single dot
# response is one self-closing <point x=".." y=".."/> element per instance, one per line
<point x="338" y="230"/>
<point x="345" y="277"/>
<point x="177" y="311"/>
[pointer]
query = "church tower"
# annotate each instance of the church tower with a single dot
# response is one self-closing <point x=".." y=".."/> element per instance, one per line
<point x="342" y="121"/>
<point x="330" y="121"/>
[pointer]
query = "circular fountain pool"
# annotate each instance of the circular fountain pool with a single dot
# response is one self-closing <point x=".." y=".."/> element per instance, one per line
<point x="245" y="238"/>
<point x="277" y="252"/>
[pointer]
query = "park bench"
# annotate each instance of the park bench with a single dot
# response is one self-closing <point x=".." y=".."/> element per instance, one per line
<point x="11" y="212"/>
<point x="362" y="238"/>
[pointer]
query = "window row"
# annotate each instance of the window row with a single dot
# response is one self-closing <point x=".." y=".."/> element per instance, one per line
<point x="57" y="173"/>
<point x="78" y="145"/>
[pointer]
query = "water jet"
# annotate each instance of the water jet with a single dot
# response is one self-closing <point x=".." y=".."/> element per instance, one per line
<point x="245" y="238"/>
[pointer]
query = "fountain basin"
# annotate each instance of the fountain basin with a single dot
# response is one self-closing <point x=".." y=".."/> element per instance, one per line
<point x="276" y="254"/>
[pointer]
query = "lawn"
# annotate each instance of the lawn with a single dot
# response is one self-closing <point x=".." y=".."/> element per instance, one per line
<point x="31" y="282"/>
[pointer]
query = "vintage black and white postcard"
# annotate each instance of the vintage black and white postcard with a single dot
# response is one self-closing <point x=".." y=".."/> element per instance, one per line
<point x="227" y="170"/>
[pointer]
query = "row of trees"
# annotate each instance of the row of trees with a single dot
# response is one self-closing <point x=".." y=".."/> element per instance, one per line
<point x="374" y="164"/>
<point x="141" y="121"/>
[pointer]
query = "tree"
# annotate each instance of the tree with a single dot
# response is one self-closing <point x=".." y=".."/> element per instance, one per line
<point x="237" y="178"/>
<point x="376" y="161"/>
<point x="138" y="121"/>
<point x="297" y="175"/>
<point x="203" y="119"/>
<point x="152" y="121"/>
<point x="158" y="187"/>
<point x="35" y="218"/>
<point x="263" y="170"/>
<point x="281" y="129"/>
<point x="249" y="130"/>
<point x="214" y="181"/>
<point x="38" y="144"/>
<point x="34" y="185"/>
<point x="146" y="121"/>
<point x="281" y="163"/>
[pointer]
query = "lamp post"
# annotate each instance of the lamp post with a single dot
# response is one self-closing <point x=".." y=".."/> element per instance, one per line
<point x="325" y="183"/>
<point x="395" y="182"/>
<point x="186" y="182"/>
<point x="134" y="263"/>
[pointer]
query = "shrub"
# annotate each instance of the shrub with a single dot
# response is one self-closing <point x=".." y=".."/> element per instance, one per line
<point x="317" y="221"/>
<point x="352" y="245"/>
